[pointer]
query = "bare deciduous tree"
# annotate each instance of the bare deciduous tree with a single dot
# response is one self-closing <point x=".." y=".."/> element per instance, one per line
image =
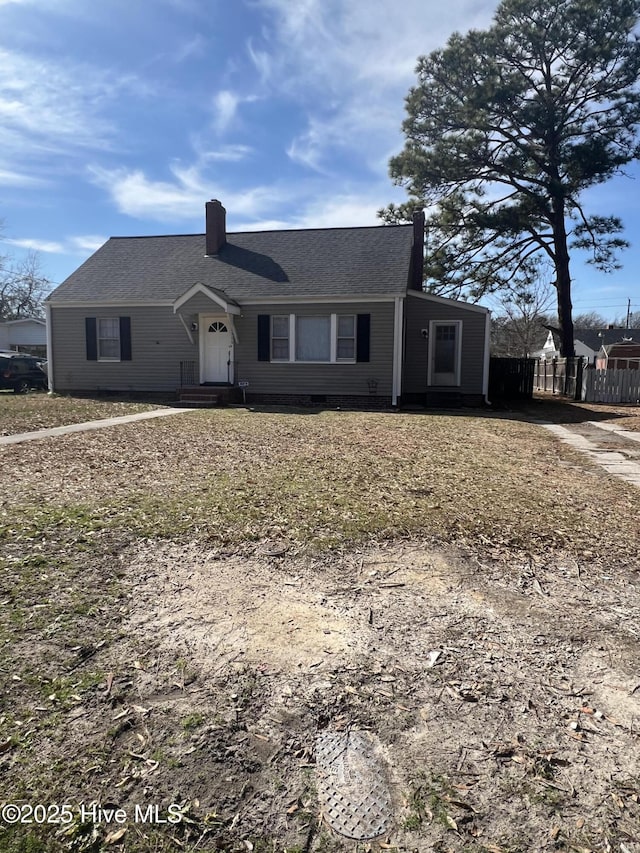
<point x="522" y="316"/>
<point x="23" y="287"/>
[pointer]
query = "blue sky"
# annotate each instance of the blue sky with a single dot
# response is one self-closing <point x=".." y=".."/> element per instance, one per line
<point x="123" y="117"/>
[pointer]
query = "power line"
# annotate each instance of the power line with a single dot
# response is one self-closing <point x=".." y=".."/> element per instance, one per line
<point x="609" y="299"/>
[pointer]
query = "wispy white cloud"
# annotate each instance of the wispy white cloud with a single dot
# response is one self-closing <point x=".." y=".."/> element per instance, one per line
<point x="53" y="5"/>
<point x="10" y="178"/>
<point x="184" y="51"/>
<point x="180" y="199"/>
<point x="136" y="195"/>
<point x="49" y="109"/>
<point x="225" y="107"/>
<point x="37" y="245"/>
<point x="261" y="60"/>
<point x="326" y="210"/>
<point x="229" y="153"/>
<point x="343" y="210"/>
<point x="81" y="245"/>
<point x="190" y="7"/>
<point x="349" y="65"/>
<point x="188" y="49"/>
<point x="87" y="243"/>
<point x="307" y="148"/>
<point x="262" y="225"/>
<point x="336" y="45"/>
<point x="365" y="130"/>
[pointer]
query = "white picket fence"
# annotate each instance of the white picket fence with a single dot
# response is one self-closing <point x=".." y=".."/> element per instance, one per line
<point x="611" y="386"/>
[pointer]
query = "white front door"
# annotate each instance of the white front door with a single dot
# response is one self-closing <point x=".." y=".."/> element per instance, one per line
<point x="217" y="357"/>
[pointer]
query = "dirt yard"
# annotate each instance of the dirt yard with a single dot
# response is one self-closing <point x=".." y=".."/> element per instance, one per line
<point x="181" y="619"/>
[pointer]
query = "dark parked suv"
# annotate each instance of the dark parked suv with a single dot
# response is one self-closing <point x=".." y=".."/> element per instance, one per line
<point x="22" y="372"/>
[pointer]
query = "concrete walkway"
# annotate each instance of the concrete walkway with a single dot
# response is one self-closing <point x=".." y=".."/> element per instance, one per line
<point x="622" y="460"/>
<point x="620" y="431"/>
<point x="88" y="425"/>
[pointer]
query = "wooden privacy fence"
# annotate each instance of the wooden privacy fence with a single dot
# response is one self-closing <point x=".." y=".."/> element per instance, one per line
<point x="511" y="378"/>
<point x="572" y="378"/>
<point x="560" y="376"/>
<point x="611" y="386"/>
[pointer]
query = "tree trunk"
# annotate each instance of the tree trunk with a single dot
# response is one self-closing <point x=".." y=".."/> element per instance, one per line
<point x="563" y="280"/>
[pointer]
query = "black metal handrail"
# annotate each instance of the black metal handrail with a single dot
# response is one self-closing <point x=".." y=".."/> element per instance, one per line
<point x="187" y="373"/>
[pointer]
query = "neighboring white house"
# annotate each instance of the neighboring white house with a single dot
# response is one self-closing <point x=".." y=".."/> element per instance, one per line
<point x="28" y="335"/>
<point x="587" y="342"/>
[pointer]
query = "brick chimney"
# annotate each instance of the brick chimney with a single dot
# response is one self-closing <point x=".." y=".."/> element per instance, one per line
<point x="216" y="223"/>
<point x="417" y="255"/>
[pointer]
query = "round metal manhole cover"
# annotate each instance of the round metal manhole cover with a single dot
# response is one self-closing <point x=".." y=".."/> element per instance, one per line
<point x="352" y="784"/>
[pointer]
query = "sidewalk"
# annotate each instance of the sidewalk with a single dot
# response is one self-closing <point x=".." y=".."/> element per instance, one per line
<point x="613" y="448"/>
<point x="89" y="425"/>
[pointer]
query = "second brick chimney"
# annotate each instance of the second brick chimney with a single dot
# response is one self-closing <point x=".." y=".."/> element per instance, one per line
<point x="417" y="257"/>
<point x="216" y="225"/>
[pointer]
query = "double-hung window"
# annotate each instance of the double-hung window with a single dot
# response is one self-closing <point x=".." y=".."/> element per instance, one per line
<point x="280" y="348"/>
<point x="108" y="338"/>
<point x="346" y="337"/>
<point x="314" y="338"/>
<point x="108" y="329"/>
<point x="320" y="339"/>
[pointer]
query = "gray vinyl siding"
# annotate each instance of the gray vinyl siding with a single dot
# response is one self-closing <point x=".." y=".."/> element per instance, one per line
<point x="158" y="343"/>
<point x="418" y="313"/>
<point x="337" y="379"/>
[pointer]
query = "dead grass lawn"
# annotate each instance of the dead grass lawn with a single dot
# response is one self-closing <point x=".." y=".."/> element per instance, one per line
<point x="185" y="603"/>
<point x="37" y="410"/>
<point x="235" y="477"/>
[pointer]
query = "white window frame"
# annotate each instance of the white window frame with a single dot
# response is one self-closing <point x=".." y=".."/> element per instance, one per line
<point x="335" y="338"/>
<point x="292" y="331"/>
<point x="99" y="338"/>
<point x="333" y="358"/>
<point x="433" y="324"/>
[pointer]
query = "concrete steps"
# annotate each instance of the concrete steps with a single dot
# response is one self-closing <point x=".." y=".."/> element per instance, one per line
<point x="206" y="396"/>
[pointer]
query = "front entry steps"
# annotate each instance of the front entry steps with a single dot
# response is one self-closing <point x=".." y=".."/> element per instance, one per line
<point x="207" y="396"/>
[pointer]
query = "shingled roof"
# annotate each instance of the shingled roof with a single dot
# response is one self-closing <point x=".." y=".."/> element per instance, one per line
<point x="595" y="338"/>
<point x="249" y="266"/>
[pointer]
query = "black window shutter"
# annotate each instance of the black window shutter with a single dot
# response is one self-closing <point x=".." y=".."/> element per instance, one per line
<point x="91" y="338"/>
<point x="264" y="335"/>
<point x="363" y="337"/>
<point x="125" y="338"/>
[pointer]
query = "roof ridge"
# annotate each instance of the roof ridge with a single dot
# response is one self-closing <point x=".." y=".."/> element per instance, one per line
<point x="266" y="231"/>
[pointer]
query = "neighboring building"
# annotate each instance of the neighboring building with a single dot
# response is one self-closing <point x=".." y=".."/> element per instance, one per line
<point x="27" y="335"/>
<point x="622" y="355"/>
<point x="587" y="342"/>
<point x="333" y="316"/>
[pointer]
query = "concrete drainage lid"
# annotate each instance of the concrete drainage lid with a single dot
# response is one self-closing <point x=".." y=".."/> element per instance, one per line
<point x="352" y="784"/>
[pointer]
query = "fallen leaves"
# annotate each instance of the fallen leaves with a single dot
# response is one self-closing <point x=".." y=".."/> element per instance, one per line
<point x="115" y="836"/>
